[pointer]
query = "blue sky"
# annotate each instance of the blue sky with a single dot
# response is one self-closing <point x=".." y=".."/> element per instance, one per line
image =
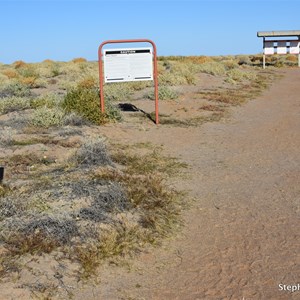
<point x="62" y="30"/>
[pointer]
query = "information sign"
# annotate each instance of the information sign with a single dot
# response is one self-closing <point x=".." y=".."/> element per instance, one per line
<point x="133" y="64"/>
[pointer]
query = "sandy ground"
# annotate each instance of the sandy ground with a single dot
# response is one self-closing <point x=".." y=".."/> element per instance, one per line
<point x="241" y="237"/>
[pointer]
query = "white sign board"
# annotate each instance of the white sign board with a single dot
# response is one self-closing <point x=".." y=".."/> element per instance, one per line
<point x="134" y="64"/>
<point x="294" y="47"/>
<point x="268" y="48"/>
<point x="281" y="48"/>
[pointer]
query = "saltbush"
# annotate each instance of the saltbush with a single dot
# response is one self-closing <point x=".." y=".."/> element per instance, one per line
<point x="93" y="153"/>
<point x="15" y="88"/>
<point x="47" y="117"/>
<point x="85" y="102"/>
<point x="13" y="104"/>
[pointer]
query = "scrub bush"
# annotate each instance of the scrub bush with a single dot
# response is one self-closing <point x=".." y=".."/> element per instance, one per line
<point x="47" y="117"/>
<point x="213" y="68"/>
<point x="49" y="100"/>
<point x="13" y="104"/>
<point x="93" y="153"/>
<point x="85" y="102"/>
<point x="79" y="60"/>
<point x="164" y="93"/>
<point x="15" y="88"/>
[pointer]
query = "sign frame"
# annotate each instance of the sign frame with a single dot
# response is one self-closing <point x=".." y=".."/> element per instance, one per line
<point x="155" y="70"/>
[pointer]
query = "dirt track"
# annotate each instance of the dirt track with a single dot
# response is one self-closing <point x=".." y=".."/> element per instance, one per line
<point x="241" y="238"/>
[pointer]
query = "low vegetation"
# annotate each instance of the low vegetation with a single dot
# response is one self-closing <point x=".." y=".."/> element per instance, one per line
<point x="70" y="194"/>
<point x="107" y="210"/>
<point x="85" y="102"/>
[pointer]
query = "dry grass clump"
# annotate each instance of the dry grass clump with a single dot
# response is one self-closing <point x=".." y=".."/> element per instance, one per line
<point x="158" y="206"/>
<point x="232" y="97"/>
<point x="47" y="117"/>
<point x="187" y="59"/>
<point x="38" y="234"/>
<point x="118" y="92"/>
<point x="292" y="58"/>
<point x="92" y="214"/>
<point x="236" y="96"/>
<point x="79" y="60"/>
<point x="7" y="136"/>
<point x="22" y="164"/>
<point x="88" y="82"/>
<point x="4" y="190"/>
<point x="230" y="64"/>
<point x="151" y="162"/>
<point x="10" y="74"/>
<point x="212" y="68"/>
<point x="49" y="100"/>
<point x="191" y="122"/>
<point x="19" y="64"/>
<point x="3" y="79"/>
<point x="93" y="154"/>
<point x="111" y="199"/>
<point x="73" y="119"/>
<point x="176" y="73"/>
<point x="211" y="107"/>
<point x="48" y="61"/>
<point x="13" y="104"/>
<point x="243" y="60"/>
<point x="236" y="75"/>
<point x="164" y="93"/>
<point x="199" y="59"/>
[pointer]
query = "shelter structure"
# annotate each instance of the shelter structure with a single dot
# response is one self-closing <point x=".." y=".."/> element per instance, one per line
<point x="280" y="42"/>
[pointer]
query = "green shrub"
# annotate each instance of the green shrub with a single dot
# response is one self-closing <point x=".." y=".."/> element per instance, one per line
<point x="85" y="102"/>
<point x="47" y="117"/>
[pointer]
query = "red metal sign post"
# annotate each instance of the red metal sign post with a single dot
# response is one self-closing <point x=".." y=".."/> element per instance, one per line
<point x="155" y="73"/>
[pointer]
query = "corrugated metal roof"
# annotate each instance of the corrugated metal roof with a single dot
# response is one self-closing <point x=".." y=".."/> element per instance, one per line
<point x="278" y="33"/>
